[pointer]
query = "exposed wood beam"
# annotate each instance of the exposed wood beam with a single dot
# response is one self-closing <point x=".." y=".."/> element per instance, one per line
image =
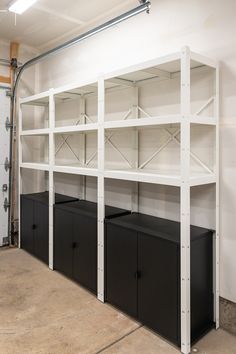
<point x="14" y="51"/>
<point x="14" y="48"/>
<point x="5" y="80"/>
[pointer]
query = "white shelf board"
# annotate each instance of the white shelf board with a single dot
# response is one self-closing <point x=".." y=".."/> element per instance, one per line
<point x="163" y="61"/>
<point x="199" y="180"/>
<point x="195" y="119"/>
<point x="76" y="85"/>
<point x="37" y="100"/>
<point x="84" y="171"/>
<point x="77" y="128"/>
<point x="144" y="176"/>
<point x="142" y="122"/>
<point x="159" y="177"/>
<point x="35" y="166"/>
<point x="201" y="59"/>
<point x="159" y="120"/>
<point x="44" y="131"/>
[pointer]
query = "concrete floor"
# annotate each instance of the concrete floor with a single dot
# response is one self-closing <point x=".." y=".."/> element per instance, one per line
<point x="43" y="312"/>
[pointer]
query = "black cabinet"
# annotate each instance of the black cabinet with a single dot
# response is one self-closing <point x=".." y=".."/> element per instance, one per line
<point x="75" y="240"/>
<point x="143" y="273"/>
<point x="121" y="268"/>
<point x="35" y="223"/>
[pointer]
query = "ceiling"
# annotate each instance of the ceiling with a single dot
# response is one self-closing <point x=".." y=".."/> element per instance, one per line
<point x="49" y="23"/>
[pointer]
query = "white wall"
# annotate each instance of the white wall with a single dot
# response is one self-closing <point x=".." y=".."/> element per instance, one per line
<point x="208" y="27"/>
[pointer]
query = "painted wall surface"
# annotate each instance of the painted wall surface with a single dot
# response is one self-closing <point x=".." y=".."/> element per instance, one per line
<point x="208" y="27"/>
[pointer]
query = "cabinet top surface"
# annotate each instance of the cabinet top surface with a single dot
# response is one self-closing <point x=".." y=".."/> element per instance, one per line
<point x="43" y="197"/>
<point x="164" y="228"/>
<point x="90" y="209"/>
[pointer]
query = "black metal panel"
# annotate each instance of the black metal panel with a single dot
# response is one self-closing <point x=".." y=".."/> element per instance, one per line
<point x="85" y="251"/>
<point x="41" y="232"/>
<point x="163" y="228"/>
<point x="201" y="286"/>
<point x="121" y="268"/>
<point x="43" y="197"/>
<point x="63" y="241"/>
<point x="87" y="208"/>
<point x="158" y="300"/>
<point x="27" y="224"/>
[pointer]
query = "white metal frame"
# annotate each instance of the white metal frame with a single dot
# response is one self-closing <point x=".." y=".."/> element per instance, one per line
<point x="184" y="180"/>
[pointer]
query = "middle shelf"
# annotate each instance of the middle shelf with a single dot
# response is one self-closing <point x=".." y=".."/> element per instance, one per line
<point x="137" y="153"/>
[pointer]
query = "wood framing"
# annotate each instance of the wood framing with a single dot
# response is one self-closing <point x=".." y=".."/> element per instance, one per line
<point x="14" y="49"/>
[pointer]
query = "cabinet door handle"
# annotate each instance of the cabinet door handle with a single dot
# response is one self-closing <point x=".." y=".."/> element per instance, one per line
<point x="34" y="227"/>
<point x="74" y="245"/>
<point x="137" y="274"/>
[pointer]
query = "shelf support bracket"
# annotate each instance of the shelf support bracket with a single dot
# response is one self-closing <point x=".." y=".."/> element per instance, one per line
<point x="185" y="203"/>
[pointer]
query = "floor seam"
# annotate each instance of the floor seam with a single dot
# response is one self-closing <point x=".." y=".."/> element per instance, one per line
<point x="118" y="340"/>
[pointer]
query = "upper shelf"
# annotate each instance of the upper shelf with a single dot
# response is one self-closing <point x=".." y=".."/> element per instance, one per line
<point x="162" y="67"/>
<point x="40" y="99"/>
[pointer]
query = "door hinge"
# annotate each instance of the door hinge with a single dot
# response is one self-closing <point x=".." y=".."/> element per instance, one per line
<point x="6" y="204"/>
<point x="7" y="164"/>
<point x="8" y="124"/>
<point x="4" y="187"/>
<point x="9" y="93"/>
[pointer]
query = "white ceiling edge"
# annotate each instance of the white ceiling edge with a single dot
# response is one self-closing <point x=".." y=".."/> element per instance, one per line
<point x="108" y="15"/>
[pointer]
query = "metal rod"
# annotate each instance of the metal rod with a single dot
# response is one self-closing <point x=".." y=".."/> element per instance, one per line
<point x="137" y="10"/>
<point x="144" y="7"/>
<point x="205" y="105"/>
<point x="159" y="149"/>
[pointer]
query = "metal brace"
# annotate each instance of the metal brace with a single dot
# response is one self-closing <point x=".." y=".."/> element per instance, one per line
<point x="6" y="204"/>
<point x="14" y="63"/>
<point x="7" y="164"/>
<point x="8" y="125"/>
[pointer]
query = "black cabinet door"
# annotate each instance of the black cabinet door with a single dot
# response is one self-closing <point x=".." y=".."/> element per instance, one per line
<point x="121" y="268"/>
<point x="63" y="241"/>
<point x="158" y="298"/>
<point x="85" y="251"/>
<point x="27" y="224"/>
<point x="41" y="239"/>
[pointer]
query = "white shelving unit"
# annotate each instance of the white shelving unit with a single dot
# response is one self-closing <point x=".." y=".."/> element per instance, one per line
<point x="104" y="122"/>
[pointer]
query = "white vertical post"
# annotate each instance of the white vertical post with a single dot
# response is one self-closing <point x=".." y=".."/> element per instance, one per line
<point x="185" y="202"/>
<point x="217" y="232"/>
<point x="19" y="174"/>
<point x="51" y="166"/>
<point x="100" y="185"/>
<point x="83" y="121"/>
<point x="135" y="185"/>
